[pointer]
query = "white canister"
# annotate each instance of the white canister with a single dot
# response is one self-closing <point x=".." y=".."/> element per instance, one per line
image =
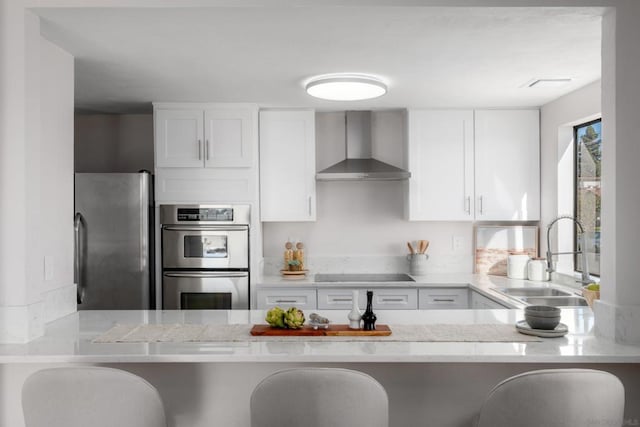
<point x="537" y="270"/>
<point x="418" y="264"/>
<point x="517" y="266"/>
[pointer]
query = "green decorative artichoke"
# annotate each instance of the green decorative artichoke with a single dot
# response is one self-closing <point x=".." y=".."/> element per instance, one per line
<point x="294" y="318"/>
<point x="275" y="317"/>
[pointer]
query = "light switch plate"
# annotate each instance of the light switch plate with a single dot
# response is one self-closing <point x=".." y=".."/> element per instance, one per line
<point x="457" y="243"/>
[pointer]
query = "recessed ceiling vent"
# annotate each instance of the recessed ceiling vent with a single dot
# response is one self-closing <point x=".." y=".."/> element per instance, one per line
<point x="547" y="83"/>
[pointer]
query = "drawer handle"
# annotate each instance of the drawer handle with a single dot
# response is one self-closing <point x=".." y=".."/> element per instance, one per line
<point x="391" y="300"/>
<point x="286" y="300"/>
<point x="443" y="300"/>
<point x="341" y="299"/>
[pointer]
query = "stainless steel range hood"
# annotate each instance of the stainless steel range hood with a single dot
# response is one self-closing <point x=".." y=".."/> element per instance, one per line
<point x="359" y="165"/>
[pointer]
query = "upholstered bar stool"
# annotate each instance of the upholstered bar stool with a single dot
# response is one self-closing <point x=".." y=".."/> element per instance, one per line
<point x="555" y="397"/>
<point x="319" y="397"/>
<point x="90" y="396"/>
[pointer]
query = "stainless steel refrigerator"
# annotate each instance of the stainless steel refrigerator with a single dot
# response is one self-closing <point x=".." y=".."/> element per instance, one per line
<point x="114" y="241"/>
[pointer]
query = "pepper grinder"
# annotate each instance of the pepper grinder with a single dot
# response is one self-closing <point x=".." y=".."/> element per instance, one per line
<point x="369" y="318"/>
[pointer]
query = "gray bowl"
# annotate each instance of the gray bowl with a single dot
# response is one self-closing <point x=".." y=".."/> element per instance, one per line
<point x="542" y="311"/>
<point x="542" y="322"/>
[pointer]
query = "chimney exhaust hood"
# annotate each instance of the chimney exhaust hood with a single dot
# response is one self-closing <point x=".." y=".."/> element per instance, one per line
<point x="359" y="165"/>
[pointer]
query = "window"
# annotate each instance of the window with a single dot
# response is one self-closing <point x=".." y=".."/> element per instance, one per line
<point x="587" y="194"/>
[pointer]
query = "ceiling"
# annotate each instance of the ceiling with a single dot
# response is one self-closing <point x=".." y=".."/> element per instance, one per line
<point x="127" y="58"/>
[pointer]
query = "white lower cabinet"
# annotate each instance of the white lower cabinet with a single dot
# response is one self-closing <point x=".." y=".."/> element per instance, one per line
<point x="383" y="299"/>
<point x="443" y="298"/>
<point x="480" y="302"/>
<point x="304" y="299"/>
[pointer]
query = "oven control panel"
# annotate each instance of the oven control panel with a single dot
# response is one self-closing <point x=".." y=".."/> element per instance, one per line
<point x="205" y="214"/>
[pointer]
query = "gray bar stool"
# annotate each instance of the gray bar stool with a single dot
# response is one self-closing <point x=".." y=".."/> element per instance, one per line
<point x="90" y="396"/>
<point x="319" y="397"/>
<point x="555" y="397"/>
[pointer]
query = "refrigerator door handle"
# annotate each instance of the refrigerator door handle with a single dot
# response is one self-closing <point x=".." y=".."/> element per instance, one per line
<point x="79" y="259"/>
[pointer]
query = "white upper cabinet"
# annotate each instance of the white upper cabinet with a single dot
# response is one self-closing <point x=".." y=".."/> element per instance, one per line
<point x="440" y="152"/>
<point x="228" y="138"/>
<point x="212" y="137"/>
<point x="179" y="138"/>
<point x="507" y="165"/>
<point x="287" y="165"/>
<point x="481" y="165"/>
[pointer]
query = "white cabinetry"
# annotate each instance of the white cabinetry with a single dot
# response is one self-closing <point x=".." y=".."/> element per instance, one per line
<point x="206" y="152"/>
<point x="228" y="137"/>
<point x="443" y="298"/>
<point x="507" y="165"/>
<point x="383" y="298"/>
<point x="474" y="165"/>
<point x="440" y="154"/>
<point x="287" y="165"/>
<point x="480" y="302"/>
<point x="284" y="298"/>
<point x="178" y="138"/>
<point x="215" y="137"/>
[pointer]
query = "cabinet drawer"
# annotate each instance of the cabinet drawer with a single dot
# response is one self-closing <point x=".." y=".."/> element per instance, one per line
<point x="285" y="298"/>
<point x="442" y="298"/>
<point x="383" y="299"/>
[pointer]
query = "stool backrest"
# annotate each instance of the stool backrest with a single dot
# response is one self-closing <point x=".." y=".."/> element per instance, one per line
<point x="90" y="396"/>
<point x="555" y="397"/>
<point x="319" y="397"/>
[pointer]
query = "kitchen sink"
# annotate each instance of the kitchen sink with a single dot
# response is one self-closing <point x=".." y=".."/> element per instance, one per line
<point x="533" y="292"/>
<point x="555" y="301"/>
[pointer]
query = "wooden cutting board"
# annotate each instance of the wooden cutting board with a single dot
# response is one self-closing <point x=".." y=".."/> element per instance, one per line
<point x="308" y="331"/>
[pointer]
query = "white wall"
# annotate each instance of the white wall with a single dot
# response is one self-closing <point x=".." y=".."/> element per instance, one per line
<point x="366" y="218"/>
<point x="113" y="142"/>
<point x="557" y="119"/>
<point x="54" y="219"/>
<point x="36" y="187"/>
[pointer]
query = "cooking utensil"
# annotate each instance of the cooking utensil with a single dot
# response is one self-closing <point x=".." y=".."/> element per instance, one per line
<point x="411" y="250"/>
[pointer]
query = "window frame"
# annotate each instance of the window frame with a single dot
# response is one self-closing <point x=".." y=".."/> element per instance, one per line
<point x="575" y="188"/>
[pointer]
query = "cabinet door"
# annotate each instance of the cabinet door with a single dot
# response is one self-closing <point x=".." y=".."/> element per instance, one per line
<point x="179" y="138"/>
<point x="285" y="298"/>
<point x="507" y="165"/>
<point x="443" y="298"/>
<point x="383" y="299"/>
<point x="441" y="165"/>
<point x="228" y="137"/>
<point x="287" y="166"/>
<point x="480" y="302"/>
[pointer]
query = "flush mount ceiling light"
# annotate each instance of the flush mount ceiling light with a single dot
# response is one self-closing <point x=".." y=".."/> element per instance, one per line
<point x="346" y="87"/>
<point x="542" y="83"/>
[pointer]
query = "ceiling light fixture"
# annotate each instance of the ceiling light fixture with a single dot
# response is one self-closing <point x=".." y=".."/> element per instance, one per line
<point x="346" y="87"/>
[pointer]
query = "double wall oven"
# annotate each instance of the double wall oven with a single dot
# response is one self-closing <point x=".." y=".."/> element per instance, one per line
<point x="205" y="256"/>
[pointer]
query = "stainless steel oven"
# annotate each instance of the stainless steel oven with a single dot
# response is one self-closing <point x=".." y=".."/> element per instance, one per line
<point x="205" y="256"/>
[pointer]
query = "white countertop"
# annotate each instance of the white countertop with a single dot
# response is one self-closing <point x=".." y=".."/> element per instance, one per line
<point x="69" y="340"/>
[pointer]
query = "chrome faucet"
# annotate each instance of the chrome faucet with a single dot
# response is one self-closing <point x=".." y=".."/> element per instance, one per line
<point x="583" y="249"/>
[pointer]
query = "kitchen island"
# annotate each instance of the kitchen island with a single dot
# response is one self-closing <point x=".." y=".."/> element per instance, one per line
<point x="435" y="383"/>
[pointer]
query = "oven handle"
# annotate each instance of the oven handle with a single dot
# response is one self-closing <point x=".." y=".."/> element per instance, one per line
<point x="209" y="274"/>
<point x="206" y="228"/>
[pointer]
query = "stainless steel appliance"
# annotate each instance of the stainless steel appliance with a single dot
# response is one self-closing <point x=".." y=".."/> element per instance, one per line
<point x="205" y="256"/>
<point x="114" y="268"/>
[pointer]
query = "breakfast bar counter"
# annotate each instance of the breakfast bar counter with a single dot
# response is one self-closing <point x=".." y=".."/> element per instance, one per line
<point x="71" y="339"/>
<point x="428" y="383"/>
